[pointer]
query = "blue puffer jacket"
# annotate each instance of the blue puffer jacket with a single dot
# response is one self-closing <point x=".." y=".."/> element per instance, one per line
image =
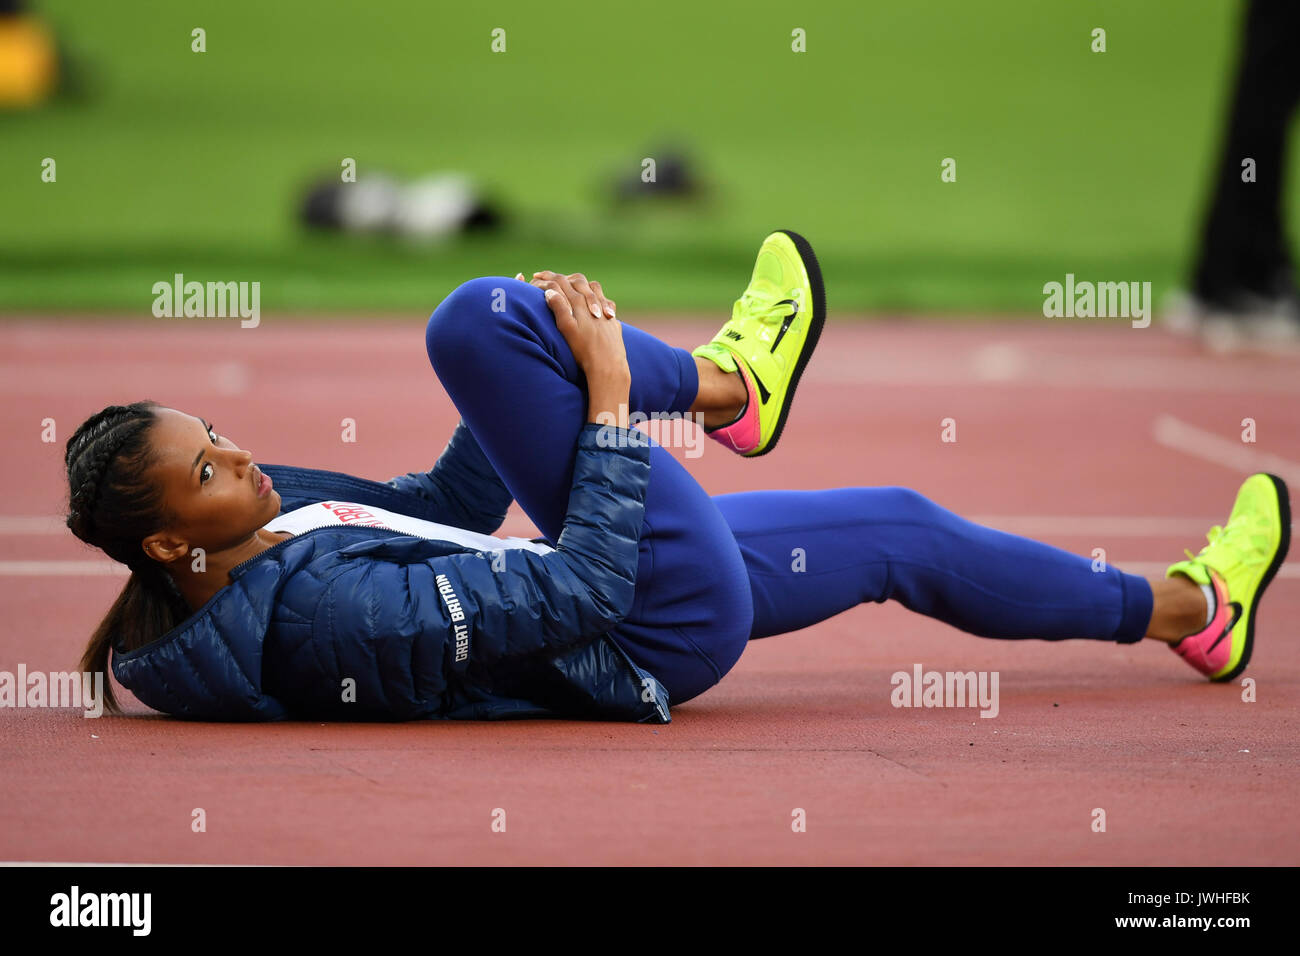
<point x="386" y="610"/>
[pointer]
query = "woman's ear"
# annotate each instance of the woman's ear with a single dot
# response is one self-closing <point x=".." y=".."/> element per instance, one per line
<point x="165" y="548"/>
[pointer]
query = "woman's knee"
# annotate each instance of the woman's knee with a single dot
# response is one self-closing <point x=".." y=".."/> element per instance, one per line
<point x="899" y="502"/>
<point x="463" y="323"/>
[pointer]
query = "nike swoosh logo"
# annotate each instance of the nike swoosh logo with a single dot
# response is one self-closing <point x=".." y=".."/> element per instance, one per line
<point x="1236" y="616"/>
<point x="785" y="323"/>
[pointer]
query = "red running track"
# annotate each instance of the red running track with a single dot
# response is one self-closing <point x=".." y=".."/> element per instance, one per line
<point x="1086" y="435"/>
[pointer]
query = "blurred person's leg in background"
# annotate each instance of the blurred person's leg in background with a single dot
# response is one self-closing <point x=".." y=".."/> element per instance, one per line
<point x="1244" y="283"/>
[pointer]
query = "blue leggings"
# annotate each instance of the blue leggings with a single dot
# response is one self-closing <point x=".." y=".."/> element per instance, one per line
<point x="716" y="572"/>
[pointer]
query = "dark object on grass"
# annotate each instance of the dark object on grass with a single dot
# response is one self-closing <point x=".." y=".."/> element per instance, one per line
<point x="661" y="173"/>
<point x="431" y="207"/>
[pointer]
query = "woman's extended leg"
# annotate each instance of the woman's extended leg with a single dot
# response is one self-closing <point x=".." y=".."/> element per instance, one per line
<point x="497" y="351"/>
<point x="812" y="554"/>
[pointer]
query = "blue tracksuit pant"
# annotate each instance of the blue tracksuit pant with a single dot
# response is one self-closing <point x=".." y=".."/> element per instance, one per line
<point x="716" y="572"/>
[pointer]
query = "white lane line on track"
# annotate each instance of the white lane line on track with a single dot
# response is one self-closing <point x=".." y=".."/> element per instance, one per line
<point x="1111" y="525"/>
<point x="999" y="362"/>
<point x="32" y="524"/>
<point x="62" y="569"/>
<point x="13" y="863"/>
<point x="1228" y="452"/>
<point x="1032" y="526"/>
<point x="20" y="526"/>
<point x="1156" y="569"/>
<point x="99" y="569"/>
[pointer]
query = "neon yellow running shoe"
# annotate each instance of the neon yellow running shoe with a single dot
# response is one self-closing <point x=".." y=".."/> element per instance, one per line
<point x="1239" y="562"/>
<point x="773" y="330"/>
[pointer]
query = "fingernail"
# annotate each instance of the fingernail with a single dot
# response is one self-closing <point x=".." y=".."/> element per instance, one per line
<point x="519" y="276"/>
<point x="609" y="310"/>
<point x="595" y="310"/>
<point x="550" y="293"/>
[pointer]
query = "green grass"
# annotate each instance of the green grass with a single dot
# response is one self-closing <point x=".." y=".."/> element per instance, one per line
<point x="1067" y="161"/>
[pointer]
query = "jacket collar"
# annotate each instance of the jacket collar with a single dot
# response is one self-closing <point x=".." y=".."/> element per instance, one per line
<point x="303" y="486"/>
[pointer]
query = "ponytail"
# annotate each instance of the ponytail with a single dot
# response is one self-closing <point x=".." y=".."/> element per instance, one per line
<point x="113" y="506"/>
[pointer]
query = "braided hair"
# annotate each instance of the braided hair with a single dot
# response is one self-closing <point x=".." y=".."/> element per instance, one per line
<point x="113" y="505"/>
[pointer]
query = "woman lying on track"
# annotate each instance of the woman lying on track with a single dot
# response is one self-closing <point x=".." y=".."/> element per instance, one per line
<point x="325" y="596"/>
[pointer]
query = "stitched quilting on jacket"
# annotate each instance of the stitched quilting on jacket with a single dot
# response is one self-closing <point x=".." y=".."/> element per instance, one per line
<point x="360" y="623"/>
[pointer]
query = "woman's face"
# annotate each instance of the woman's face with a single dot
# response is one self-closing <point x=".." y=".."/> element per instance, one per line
<point x="214" y="492"/>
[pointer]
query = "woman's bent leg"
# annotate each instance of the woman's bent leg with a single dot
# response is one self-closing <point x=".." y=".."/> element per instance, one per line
<point x="496" y="349"/>
<point x="812" y="554"/>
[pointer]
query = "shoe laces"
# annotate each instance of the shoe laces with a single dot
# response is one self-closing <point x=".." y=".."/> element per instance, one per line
<point x="1233" y="540"/>
<point x="1212" y="536"/>
<point x="766" y="308"/>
